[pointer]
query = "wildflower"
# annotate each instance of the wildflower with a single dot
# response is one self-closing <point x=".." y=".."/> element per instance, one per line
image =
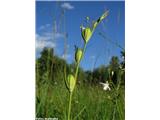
<point x="78" y="55"/>
<point x="105" y="86"/>
<point x="112" y="73"/>
<point x="86" y="33"/>
<point x="71" y="81"/>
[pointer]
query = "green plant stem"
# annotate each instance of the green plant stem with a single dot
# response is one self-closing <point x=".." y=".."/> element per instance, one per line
<point x="69" y="106"/>
<point x="77" y="67"/>
<point x="76" y="74"/>
<point x="84" y="49"/>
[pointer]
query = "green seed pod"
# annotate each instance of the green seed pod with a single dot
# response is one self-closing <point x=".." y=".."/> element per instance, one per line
<point x="104" y="15"/>
<point x="71" y="82"/>
<point x="86" y="34"/>
<point x="78" y="55"/>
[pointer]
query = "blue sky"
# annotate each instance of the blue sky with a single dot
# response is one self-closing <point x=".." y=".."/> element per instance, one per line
<point x="49" y="16"/>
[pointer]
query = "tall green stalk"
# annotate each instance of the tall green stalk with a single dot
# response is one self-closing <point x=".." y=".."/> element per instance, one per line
<point x="71" y="80"/>
<point x="76" y="74"/>
<point x="69" y="107"/>
<point x="77" y="67"/>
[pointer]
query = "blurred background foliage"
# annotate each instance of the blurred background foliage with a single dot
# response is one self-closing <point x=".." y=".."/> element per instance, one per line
<point x="51" y="66"/>
<point x="51" y="93"/>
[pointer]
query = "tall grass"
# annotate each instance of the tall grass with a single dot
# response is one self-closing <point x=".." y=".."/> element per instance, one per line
<point x="94" y="103"/>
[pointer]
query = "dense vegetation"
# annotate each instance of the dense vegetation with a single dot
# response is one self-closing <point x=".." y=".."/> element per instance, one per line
<point x="90" y="102"/>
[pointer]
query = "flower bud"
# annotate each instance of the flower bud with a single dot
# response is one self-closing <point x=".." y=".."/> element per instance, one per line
<point x="71" y="82"/>
<point x="86" y="34"/>
<point x="78" y="55"/>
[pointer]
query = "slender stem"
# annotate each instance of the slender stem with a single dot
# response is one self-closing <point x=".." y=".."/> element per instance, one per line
<point x="77" y="67"/>
<point x="84" y="49"/>
<point x="76" y="74"/>
<point x="69" y="106"/>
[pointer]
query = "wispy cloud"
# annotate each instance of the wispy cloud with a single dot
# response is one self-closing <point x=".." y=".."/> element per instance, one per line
<point x="67" y="6"/>
<point x="56" y="35"/>
<point x="46" y="40"/>
<point x="43" y="27"/>
<point x="42" y="37"/>
<point x="45" y="37"/>
<point x="43" y="41"/>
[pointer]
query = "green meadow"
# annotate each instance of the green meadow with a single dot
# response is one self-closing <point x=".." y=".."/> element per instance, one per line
<point x="90" y="101"/>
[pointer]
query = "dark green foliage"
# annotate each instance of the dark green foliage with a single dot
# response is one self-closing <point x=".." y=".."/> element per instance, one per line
<point x="52" y="67"/>
<point x="51" y="93"/>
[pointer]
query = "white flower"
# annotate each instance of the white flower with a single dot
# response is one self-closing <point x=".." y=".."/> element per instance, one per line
<point x="112" y="73"/>
<point x="105" y="86"/>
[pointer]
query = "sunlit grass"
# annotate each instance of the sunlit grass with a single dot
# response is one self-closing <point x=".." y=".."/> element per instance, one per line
<point x="96" y="103"/>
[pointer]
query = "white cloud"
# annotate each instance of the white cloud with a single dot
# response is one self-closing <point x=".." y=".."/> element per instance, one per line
<point x="43" y="37"/>
<point x="43" y="27"/>
<point x="50" y="35"/>
<point x="67" y="6"/>
<point x="40" y="44"/>
<point x="50" y="44"/>
<point x="46" y="38"/>
<point x="43" y="41"/>
<point x="46" y="33"/>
